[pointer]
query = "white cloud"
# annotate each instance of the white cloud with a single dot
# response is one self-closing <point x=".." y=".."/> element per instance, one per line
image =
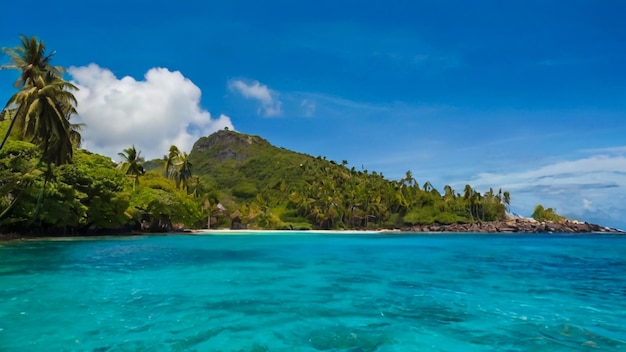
<point x="610" y="150"/>
<point x="590" y="189"/>
<point x="309" y="107"/>
<point x="269" y="106"/>
<point x="153" y="113"/>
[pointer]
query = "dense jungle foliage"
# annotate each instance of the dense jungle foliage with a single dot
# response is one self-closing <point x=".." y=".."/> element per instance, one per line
<point x="48" y="184"/>
<point x="90" y="194"/>
<point x="283" y="189"/>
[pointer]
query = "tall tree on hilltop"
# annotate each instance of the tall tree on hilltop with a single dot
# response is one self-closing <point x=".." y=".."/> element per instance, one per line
<point x="408" y="178"/>
<point x="448" y="192"/>
<point x="132" y="163"/>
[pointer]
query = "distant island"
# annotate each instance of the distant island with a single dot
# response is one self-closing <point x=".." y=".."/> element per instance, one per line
<point x="50" y="186"/>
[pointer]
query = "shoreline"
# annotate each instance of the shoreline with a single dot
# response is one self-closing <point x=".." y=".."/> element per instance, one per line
<point x="490" y="228"/>
<point x="188" y="232"/>
<point x="517" y="225"/>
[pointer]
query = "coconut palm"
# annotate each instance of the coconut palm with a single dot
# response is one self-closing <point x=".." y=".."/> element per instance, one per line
<point x="42" y="117"/>
<point x="36" y="73"/>
<point x="41" y="113"/>
<point x="507" y="200"/>
<point x="184" y="170"/>
<point x="448" y="192"/>
<point x="132" y="163"/>
<point x="468" y="192"/>
<point x="41" y="110"/>
<point x="408" y="178"/>
<point x="178" y="167"/>
<point x="31" y="59"/>
<point x="476" y="206"/>
<point x="170" y="163"/>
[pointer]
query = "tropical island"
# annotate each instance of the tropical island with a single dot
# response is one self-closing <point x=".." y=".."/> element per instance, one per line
<point x="50" y="186"/>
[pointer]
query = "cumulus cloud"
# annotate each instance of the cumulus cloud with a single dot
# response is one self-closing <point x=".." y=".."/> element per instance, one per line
<point x="153" y="113"/>
<point x="593" y="187"/>
<point x="269" y="104"/>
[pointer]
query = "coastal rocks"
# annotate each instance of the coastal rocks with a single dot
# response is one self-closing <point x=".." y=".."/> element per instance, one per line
<point x="518" y="225"/>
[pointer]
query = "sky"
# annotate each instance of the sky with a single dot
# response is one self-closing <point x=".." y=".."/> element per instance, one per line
<point x="528" y="96"/>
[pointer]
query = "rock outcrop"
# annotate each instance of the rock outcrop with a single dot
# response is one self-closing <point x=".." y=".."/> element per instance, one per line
<point x="518" y="225"/>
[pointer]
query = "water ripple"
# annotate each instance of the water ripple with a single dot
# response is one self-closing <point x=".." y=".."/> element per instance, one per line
<point x="315" y="293"/>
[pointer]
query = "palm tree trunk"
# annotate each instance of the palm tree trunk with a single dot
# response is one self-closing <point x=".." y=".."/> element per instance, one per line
<point x="19" y="195"/>
<point x="43" y="191"/>
<point x="6" y="136"/>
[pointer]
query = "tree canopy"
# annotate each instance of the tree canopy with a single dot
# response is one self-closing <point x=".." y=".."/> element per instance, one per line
<point x="270" y="187"/>
<point x="549" y="214"/>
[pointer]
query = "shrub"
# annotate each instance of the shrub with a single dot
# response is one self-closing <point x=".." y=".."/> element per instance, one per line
<point x="245" y="190"/>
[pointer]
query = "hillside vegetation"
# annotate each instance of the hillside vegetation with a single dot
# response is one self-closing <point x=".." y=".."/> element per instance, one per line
<point x="263" y="186"/>
<point x="91" y="194"/>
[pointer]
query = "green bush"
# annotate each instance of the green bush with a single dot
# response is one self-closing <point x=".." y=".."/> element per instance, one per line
<point x="245" y="190"/>
<point x="541" y="214"/>
<point x="423" y="216"/>
<point x="292" y="216"/>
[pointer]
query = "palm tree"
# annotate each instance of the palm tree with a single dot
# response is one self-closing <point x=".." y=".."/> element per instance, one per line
<point x="42" y="117"/>
<point x="396" y="197"/>
<point x="132" y="163"/>
<point x="184" y="170"/>
<point x="507" y="201"/>
<point x="408" y="178"/>
<point x="468" y="192"/>
<point x="448" y="192"/>
<point x="170" y="162"/>
<point x="476" y="207"/>
<point x="178" y="167"/>
<point x="46" y="123"/>
<point x="31" y="60"/>
<point x="469" y="199"/>
<point x="41" y="111"/>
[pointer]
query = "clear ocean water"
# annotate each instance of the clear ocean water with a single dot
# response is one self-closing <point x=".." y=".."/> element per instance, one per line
<point x="308" y="292"/>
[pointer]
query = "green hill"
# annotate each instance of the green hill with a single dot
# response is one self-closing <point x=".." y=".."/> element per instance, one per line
<point x="239" y="166"/>
<point x="264" y="186"/>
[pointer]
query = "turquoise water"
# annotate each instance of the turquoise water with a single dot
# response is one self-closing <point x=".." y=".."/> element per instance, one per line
<point x="315" y="293"/>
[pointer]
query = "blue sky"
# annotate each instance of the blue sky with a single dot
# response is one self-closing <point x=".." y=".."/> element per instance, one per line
<point x="529" y="96"/>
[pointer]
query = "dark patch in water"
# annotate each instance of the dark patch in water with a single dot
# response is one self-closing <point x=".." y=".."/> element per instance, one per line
<point x="185" y="343"/>
<point x="346" y="339"/>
